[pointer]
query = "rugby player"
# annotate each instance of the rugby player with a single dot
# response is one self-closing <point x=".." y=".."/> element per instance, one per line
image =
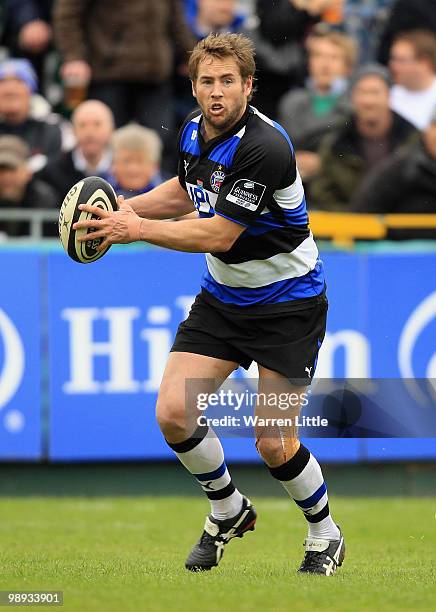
<point x="262" y="296"/>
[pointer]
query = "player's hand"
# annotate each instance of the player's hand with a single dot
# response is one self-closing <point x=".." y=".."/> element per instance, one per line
<point x="118" y="227"/>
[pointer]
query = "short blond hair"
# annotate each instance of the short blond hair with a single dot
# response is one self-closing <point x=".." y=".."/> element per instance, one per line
<point x="138" y="138"/>
<point x="345" y="43"/>
<point x="237" y="46"/>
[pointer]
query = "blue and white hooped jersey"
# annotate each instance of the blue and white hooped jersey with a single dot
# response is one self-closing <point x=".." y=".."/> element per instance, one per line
<point x="249" y="176"/>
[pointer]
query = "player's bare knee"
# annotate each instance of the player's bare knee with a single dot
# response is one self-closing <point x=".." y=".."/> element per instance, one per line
<point x="271" y="450"/>
<point x="170" y="414"/>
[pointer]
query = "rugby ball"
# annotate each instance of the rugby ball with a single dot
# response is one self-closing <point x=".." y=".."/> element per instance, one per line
<point x="91" y="190"/>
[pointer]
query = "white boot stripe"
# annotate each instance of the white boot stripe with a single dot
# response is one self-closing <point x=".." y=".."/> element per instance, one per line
<point x="338" y="551"/>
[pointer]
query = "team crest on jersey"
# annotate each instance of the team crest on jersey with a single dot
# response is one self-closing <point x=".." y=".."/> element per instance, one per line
<point x="216" y="180"/>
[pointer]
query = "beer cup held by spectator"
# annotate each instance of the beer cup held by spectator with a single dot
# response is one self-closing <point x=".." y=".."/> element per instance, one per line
<point x="75" y="90"/>
<point x="76" y="76"/>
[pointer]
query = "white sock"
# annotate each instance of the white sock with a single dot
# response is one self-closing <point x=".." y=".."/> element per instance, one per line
<point x="203" y="456"/>
<point x="302" y="478"/>
<point x="325" y="529"/>
<point x="222" y="509"/>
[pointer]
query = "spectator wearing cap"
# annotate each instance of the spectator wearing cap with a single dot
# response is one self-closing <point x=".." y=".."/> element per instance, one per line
<point x="413" y="66"/>
<point x="17" y="84"/>
<point x="18" y="187"/>
<point x="404" y="183"/>
<point x="371" y="133"/>
<point x="93" y="125"/>
<point x="136" y="160"/>
<point x="309" y="113"/>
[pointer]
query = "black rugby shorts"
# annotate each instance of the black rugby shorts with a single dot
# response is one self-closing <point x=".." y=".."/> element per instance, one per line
<point x="284" y="338"/>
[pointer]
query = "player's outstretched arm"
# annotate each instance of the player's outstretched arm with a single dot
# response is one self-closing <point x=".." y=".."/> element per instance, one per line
<point x="216" y="234"/>
<point x="165" y="201"/>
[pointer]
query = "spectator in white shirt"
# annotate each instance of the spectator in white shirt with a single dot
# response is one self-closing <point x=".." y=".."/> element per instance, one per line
<point x="413" y="66"/>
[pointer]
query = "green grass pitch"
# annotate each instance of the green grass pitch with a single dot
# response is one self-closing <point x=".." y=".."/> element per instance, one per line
<point x="127" y="553"/>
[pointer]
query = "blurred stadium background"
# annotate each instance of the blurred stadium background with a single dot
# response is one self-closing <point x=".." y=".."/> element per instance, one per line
<point x="91" y="500"/>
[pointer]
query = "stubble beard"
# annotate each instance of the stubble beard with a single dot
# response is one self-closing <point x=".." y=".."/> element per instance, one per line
<point x="224" y="125"/>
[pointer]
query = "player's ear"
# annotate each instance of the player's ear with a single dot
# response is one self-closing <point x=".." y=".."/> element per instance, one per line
<point x="248" y="85"/>
<point x="194" y="93"/>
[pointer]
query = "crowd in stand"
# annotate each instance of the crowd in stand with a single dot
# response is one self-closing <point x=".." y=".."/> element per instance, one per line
<point x="89" y="87"/>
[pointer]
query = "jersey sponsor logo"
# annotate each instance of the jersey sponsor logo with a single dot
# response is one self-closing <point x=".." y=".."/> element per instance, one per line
<point x="247" y="194"/>
<point x="204" y="200"/>
<point x="216" y="180"/>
